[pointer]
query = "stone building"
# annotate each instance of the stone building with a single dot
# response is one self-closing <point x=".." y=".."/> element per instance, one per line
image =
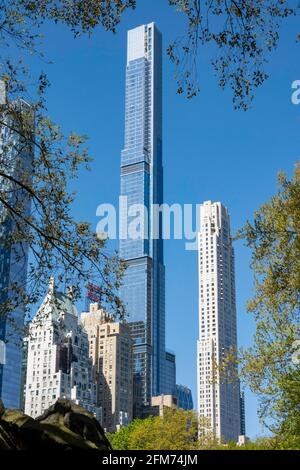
<point x="58" y="363"/>
<point x="111" y="354"/>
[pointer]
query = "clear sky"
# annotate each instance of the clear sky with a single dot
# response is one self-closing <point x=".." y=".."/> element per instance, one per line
<point x="210" y="152"/>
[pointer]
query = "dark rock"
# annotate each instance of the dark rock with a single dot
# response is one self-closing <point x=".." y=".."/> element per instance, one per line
<point x="2" y="409"/>
<point x="64" y="426"/>
<point x="21" y="429"/>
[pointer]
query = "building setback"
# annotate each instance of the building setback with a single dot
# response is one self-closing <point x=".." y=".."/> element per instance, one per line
<point x="58" y="363"/>
<point x="219" y="401"/>
<point x="143" y="290"/>
<point x="15" y="161"/>
<point x="110" y="346"/>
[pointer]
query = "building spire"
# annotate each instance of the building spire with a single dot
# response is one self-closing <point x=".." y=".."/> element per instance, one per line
<point x="51" y="285"/>
<point x="2" y="92"/>
<point x="70" y="292"/>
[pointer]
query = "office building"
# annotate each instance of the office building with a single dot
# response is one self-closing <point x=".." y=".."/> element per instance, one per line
<point x="218" y="400"/>
<point x="184" y="397"/>
<point x="170" y="373"/>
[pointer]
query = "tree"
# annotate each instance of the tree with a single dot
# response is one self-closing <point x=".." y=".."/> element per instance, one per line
<point x="58" y="244"/>
<point x="120" y="440"/>
<point x="271" y="366"/>
<point x="20" y="17"/>
<point x="243" y="33"/>
<point x="175" y="430"/>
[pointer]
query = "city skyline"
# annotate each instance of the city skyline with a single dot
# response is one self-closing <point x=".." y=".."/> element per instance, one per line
<point x="242" y="210"/>
<point x="143" y="285"/>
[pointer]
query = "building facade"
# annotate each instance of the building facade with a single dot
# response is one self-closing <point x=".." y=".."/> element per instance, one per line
<point x="184" y="397"/>
<point x="143" y="290"/>
<point x="218" y="400"/>
<point x="158" y="404"/>
<point x="110" y="347"/>
<point x="170" y="373"/>
<point x="58" y="363"/>
<point x="15" y="161"/>
<point x="243" y="414"/>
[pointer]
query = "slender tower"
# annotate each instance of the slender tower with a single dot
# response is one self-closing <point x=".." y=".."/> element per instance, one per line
<point x="218" y="400"/>
<point x="143" y="290"/>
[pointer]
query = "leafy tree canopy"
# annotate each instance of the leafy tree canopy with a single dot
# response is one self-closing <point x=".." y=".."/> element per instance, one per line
<point x="175" y="430"/>
<point x="272" y="366"/>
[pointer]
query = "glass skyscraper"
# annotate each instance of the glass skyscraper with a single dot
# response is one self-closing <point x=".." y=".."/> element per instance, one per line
<point x="184" y="397"/>
<point x="15" y="160"/>
<point x="143" y="290"/>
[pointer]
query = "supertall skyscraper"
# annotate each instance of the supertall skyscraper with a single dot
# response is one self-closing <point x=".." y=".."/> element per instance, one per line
<point x="142" y="184"/>
<point x="218" y="400"/>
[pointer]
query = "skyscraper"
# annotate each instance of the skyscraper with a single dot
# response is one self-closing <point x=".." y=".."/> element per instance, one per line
<point x="218" y="400"/>
<point x="143" y="290"/>
<point x="15" y="163"/>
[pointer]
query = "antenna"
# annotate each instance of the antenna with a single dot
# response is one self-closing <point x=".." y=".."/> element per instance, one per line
<point x="93" y="295"/>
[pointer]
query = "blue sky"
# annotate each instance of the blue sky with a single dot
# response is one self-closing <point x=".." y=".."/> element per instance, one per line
<point x="210" y="152"/>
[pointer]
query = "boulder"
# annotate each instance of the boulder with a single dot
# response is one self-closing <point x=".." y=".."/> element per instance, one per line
<point x="2" y="409"/>
<point x="64" y="426"/>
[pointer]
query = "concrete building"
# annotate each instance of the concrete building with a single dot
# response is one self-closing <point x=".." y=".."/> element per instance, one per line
<point x="218" y="400"/>
<point x="158" y="404"/>
<point x="58" y="363"/>
<point x="15" y="162"/>
<point x="111" y="353"/>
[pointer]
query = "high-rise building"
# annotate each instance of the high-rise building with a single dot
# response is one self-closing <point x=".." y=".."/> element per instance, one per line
<point x="15" y="164"/>
<point x="218" y="400"/>
<point x="143" y="290"/>
<point x="184" y="397"/>
<point x="58" y="363"/>
<point x="111" y="353"/>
